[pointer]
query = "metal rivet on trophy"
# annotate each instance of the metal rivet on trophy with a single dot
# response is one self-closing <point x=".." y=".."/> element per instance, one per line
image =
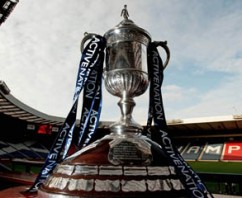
<point x="124" y="163"/>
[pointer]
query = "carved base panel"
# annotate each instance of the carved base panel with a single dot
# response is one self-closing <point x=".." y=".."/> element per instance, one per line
<point x="115" y="166"/>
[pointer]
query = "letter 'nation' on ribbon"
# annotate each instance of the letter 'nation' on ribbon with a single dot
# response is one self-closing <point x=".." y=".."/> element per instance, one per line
<point x="92" y="57"/>
<point x="191" y="181"/>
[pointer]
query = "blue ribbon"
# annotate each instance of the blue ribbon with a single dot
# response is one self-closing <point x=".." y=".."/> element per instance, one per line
<point x="193" y="184"/>
<point x="91" y="60"/>
<point x="92" y="105"/>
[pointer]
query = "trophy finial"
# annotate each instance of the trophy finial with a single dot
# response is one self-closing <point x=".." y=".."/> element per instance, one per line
<point x="125" y="12"/>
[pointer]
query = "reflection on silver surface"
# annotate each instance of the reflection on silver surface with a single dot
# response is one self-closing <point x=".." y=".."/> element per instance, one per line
<point x="48" y="180"/>
<point x="110" y="170"/>
<point x="132" y="170"/>
<point x="176" y="184"/>
<point x="58" y="182"/>
<point x="158" y="170"/>
<point x="133" y="186"/>
<point x="130" y="82"/>
<point x="116" y="185"/>
<point x="72" y="184"/>
<point x="172" y="170"/>
<point x="135" y="170"/>
<point x="107" y="185"/>
<point x="85" y="170"/>
<point x="64" y="169"/>
<point x="86" y="185"/>
<point x="159" y="185"/>
<point x="81" y="184"/>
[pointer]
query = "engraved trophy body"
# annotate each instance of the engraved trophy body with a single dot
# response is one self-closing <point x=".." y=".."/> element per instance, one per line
<point x="126" y="71"/>
<point x="124" y="163"/>
<point x="126" y="74"/>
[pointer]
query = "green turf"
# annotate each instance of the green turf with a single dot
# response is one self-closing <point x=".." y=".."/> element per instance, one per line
<point x="23" y="168"/>
<point x="217" y="167"/>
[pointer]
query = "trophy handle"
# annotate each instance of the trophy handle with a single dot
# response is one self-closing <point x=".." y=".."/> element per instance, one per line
<point x="87" y="36"/>
<point x="163" y="44"/>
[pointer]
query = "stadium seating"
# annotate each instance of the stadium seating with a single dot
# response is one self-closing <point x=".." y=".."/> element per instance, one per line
<point x="23" y="150"/>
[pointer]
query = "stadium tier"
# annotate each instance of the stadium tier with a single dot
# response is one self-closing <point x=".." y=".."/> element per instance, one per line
<point x="29" y="120"/>
<point x="208" y="138"/>
<point x="23" y="150"/>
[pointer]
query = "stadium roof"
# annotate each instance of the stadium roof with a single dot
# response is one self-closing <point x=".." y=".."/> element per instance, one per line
<point x="11" y="106"/>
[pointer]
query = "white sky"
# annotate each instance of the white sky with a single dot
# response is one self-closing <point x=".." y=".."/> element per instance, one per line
<point x="39" y="53"/>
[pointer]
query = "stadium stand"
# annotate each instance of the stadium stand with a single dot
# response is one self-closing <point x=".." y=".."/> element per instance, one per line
<point x="211" y="145"/>
<point x="25" y="150"/>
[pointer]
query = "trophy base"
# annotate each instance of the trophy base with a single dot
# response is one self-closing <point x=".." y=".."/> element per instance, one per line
<point x="115" y="166"/>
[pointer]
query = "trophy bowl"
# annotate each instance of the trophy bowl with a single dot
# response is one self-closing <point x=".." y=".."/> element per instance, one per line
<point x="126" y="71"/>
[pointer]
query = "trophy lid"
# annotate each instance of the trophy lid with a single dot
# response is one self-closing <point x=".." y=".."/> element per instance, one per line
<point x="127" y="30"/>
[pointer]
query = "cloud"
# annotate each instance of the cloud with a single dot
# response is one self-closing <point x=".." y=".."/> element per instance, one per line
<point x="223" y="100"/>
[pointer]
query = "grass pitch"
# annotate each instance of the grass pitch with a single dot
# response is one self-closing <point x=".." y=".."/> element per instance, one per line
<point x="217" y="167"/>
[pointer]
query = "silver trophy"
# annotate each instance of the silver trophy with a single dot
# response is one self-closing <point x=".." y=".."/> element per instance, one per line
<point x="126" y="71"/>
